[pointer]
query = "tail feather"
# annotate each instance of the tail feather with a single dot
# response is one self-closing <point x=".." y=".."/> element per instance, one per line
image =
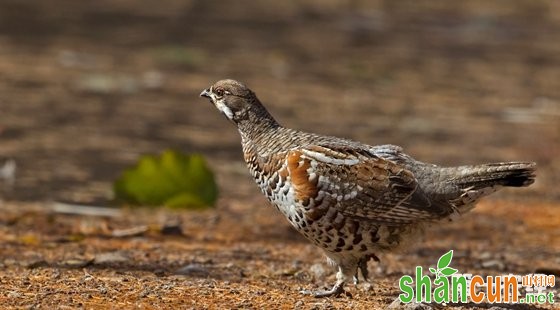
<point x="515" y="174"/>
<point x="475" y="182"/>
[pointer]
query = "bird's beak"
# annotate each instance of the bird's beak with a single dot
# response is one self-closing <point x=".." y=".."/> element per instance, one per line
<point x="205" y="93"/>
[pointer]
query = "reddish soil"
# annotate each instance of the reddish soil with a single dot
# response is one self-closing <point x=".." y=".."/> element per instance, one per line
<point x="87" y="87"/>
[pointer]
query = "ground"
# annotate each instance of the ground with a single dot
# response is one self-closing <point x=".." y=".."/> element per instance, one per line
<point x="87" y="87"/>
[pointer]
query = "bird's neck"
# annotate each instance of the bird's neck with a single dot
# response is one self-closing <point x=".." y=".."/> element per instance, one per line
<point x="258" y="125"/>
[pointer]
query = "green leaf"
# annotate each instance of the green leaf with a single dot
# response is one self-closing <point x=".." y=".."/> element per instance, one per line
<point x="172" y="179"/>
<point x="445" y="260"/>
<point x="185" y="199"/>
<point x="448" y="271"/>
<point x="432" y="270"/>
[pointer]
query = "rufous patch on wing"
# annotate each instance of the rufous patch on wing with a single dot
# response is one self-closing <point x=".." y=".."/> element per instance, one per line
<point x="305" y="185"/>
<point x="370" y="170"/>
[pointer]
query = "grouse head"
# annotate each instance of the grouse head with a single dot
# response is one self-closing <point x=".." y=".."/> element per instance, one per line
<point x="237" y="102"/>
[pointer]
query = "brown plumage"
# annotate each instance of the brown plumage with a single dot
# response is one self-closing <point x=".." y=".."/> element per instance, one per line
<point x="351" y="199"/>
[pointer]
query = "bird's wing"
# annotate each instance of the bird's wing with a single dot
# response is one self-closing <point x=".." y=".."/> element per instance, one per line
<point x="357" y="183"/>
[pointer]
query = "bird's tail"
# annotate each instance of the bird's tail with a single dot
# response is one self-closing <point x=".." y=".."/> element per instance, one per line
<point x="515" y="174"/>
<point x="474" y="182"/>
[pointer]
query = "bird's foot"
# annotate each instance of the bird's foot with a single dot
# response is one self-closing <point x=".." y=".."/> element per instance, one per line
<point x="336" y="291"/>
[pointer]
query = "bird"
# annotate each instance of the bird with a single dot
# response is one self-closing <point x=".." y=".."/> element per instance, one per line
<point x="351" y="199"/>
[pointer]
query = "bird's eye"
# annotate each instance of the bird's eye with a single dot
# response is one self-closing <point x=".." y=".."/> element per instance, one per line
<point x="219" y="92"/>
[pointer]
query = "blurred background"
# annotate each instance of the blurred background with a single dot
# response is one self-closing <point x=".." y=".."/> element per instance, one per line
<point x="88" y="86"/>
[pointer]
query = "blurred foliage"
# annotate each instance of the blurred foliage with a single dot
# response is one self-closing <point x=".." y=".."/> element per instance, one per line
<point x="172" y="179"/>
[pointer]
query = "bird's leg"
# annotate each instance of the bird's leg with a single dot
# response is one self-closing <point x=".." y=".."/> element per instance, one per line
<point x="363" y="268"/>
<point x="342" y="277"/>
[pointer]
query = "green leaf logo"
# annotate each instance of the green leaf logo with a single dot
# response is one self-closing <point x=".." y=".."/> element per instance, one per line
<point x="448" y="271"/>
<point x="445" y="260"/>
<point x="443" y="269"/>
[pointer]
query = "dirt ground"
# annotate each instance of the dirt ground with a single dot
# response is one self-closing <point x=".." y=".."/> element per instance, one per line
<point x="87" y="87"/>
